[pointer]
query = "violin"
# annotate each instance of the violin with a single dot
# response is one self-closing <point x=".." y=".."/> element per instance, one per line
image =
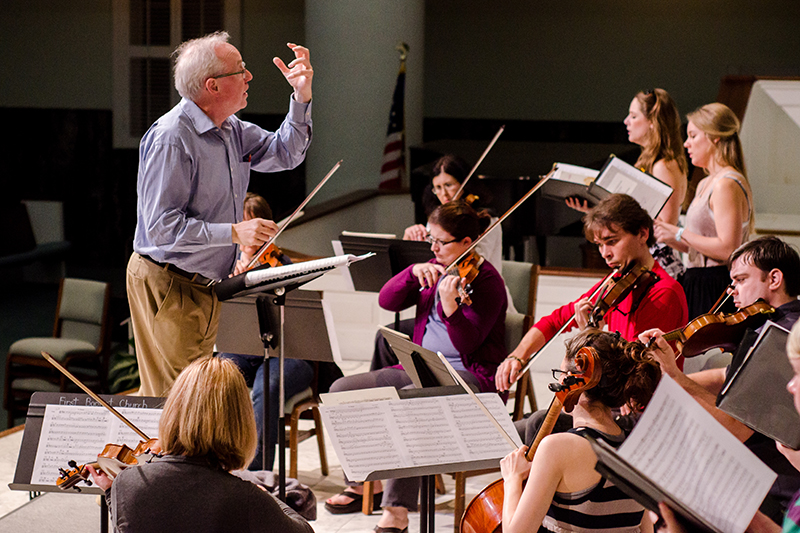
<point x="115" y="457"/>
<point x="112" y="460"/>
<point x="271" y="257"/>
<point x="467" y="269"/>
<point x="635" y="278"/>
<point x="718" y="330"/>
<point x="484" y="514"/>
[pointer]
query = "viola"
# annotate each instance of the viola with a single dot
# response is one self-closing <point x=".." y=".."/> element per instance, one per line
<point x="635" y="278"/>
<point x="271" y="257"/>
<point x="484" y="514"/>
<point x="718" y="330"/>
<point x="112" y="460"/>
<point x="467" y="269"/>
<point x="114" y="457"/>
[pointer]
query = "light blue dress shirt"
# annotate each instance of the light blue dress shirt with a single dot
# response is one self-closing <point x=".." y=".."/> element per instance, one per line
<point x="193" y="177"/>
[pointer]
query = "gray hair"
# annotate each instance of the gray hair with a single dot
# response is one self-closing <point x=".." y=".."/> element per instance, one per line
<point x="195" y="61"/>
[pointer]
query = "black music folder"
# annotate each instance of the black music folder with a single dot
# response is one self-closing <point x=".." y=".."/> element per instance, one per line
<point x="756" y="394"/>
<point x="616" y="176"/>
<point x="422" y="365"/>
<point x="392" y="256"/>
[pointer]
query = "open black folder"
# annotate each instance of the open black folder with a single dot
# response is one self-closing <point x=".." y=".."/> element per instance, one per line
<point x="640" y="487"/>
<point x="756" y="392"/>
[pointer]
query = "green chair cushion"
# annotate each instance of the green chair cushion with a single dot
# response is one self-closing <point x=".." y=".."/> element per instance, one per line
<point x="57" y="347"/>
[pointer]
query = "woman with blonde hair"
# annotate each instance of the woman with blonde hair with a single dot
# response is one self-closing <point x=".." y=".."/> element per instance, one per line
<point x="653" y="122"/>
<point x="720" y="217"/>
<point x="207" y="429"/>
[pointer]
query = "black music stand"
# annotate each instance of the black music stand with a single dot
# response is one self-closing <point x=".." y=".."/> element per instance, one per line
<point x="33" y="428"/>
<point x="391" y="257"/>
<point x="271" y="334"/>
<point x="274" y="291"/>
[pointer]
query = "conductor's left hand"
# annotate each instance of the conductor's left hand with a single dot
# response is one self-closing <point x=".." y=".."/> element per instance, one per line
<point x="298" y="73"/>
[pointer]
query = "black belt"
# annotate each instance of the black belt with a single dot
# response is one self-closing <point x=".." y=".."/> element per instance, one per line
<point x="191" y="276"/>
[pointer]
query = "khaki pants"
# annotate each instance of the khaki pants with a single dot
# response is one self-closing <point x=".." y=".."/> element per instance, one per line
<point x="174" y="322"/>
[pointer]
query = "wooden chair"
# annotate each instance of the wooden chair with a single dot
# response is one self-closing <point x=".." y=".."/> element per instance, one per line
<point x="294" y="408"/>
<point x="80" y="342"/>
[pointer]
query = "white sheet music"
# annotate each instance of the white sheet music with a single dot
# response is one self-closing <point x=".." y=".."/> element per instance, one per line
<point x="620" y="177"/>
<point x="79" y="433"/>
<point x="683" y="449"/>
<point x="393" y="434"/>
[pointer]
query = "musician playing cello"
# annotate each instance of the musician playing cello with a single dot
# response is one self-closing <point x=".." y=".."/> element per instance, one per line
<point x="767" y="269"/>
<point x="623" y="232"/>
<point x="564" y="492"/>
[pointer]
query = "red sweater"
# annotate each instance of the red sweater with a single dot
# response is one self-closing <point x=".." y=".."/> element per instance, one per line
<point x="663" y="307"/>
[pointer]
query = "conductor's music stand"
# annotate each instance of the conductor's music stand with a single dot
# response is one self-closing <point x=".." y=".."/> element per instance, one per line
<point x="271" y="287"/>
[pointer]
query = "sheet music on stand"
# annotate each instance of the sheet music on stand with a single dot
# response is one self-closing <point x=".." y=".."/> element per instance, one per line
<point x="678" y="453"/>
<point x="384" y="439"/>
<point x="63" y="426"/>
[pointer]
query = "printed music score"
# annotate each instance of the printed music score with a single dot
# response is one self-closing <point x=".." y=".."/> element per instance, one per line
<point x="79" y="433"/>
<point x="384" y="435"/>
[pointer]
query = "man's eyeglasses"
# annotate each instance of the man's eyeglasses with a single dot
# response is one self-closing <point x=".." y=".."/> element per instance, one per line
<point x="433" y="240"/>
<point x="243" y="72"/>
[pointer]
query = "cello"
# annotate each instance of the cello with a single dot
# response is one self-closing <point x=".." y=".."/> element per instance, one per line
<point x="484" y="514"/>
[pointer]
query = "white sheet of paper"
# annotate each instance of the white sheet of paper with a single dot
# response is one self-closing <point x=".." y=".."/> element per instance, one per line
<point x="79" y="433"/>
<point x="620" y="177"/>
<point x="415" y="432"/>
<point x="330" y="399"/>
<point x="682" y="448"/>
<point x="574" y="174"/>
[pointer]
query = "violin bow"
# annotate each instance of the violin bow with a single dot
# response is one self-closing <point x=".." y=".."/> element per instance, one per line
<point x="501" y="219"/>
<point x="480" y="160"/>
<point x="94" y="396"/>
<point x="721" y="300"/>
<point x="599" y="288"/>
<point x="475" y="398"/>
<point x="263" y="249"/>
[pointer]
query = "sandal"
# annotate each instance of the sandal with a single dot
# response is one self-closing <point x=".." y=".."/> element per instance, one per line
<point x="379" y="529"/>
<point x="355" y="505"/>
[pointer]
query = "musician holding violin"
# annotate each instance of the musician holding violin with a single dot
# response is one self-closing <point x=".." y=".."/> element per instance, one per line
<point x="560" y="489"/>
<point x="207" y="429"/>
<point x="467" y="326"/>
<point x="765" y="269"/>
<point x="623" y="232"/>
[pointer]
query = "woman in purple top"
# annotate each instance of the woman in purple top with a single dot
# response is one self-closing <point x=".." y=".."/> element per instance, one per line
<point x="471" y="337"/>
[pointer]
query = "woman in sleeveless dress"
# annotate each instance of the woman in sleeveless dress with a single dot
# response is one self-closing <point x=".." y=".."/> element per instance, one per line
<point x="653" y="122"/>
<point x="720" y="217"/>
<point x="564" y="492"/>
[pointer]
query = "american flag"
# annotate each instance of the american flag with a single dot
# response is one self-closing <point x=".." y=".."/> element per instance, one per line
<point x="394" y="152"/>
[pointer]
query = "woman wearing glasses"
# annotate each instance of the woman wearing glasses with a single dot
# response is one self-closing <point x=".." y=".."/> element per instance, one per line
<point x="471" y="337"/>
<point x="564" y="492"/>
<point x="449" y="172"/>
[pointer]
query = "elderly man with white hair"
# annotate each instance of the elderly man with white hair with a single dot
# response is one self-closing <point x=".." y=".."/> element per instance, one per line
<point x="194" y="170"/>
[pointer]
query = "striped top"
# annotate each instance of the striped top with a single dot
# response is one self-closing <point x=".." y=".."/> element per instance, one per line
<point x="601" y="508"/>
